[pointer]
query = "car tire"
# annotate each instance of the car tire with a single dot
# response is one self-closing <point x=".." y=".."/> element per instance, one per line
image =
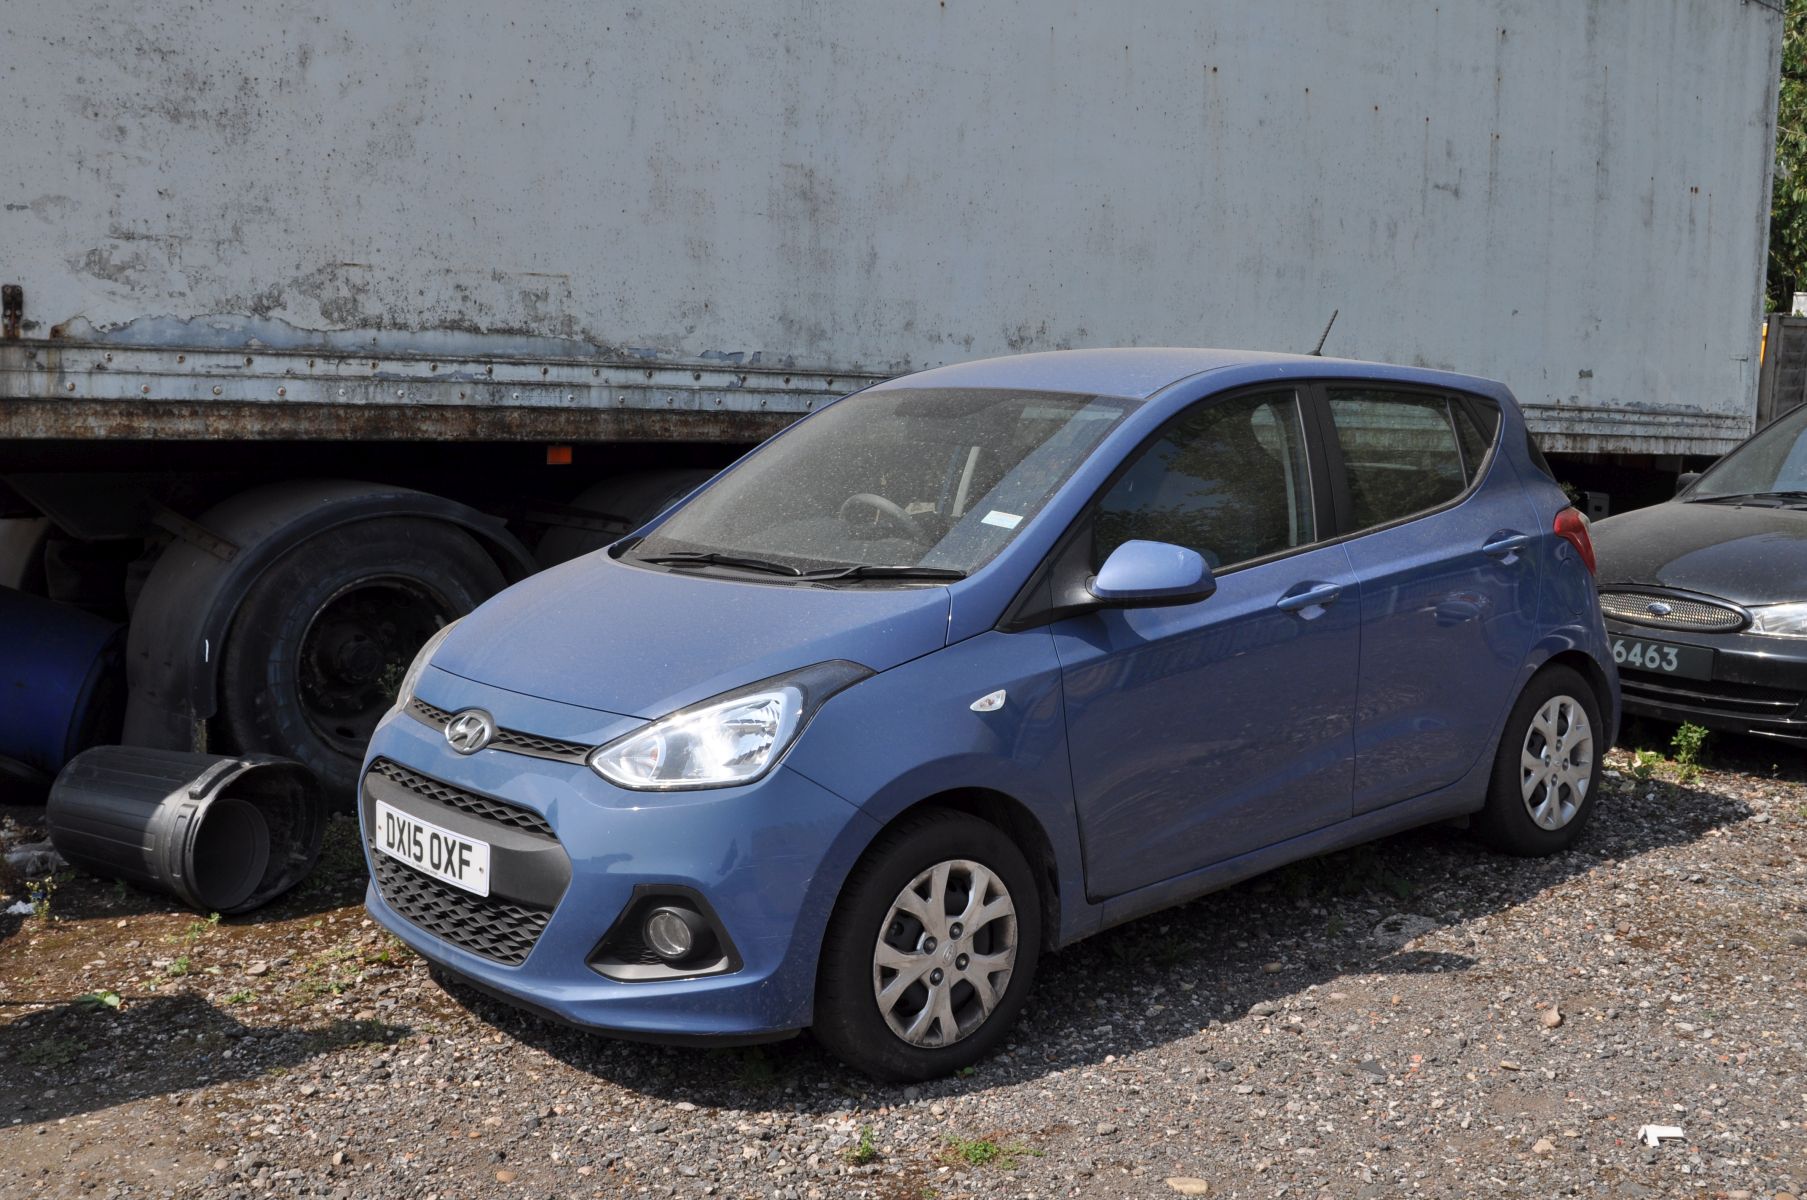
<point x="1546" y="776"/>
<point x="331" y="624"/>
<point x="932" y="989"/>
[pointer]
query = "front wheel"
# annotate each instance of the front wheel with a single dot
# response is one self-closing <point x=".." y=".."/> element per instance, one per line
<point x="1547" y="772"/>
<point x="931" y="951"/>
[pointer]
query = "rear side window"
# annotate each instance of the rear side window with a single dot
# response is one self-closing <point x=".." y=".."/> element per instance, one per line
<point x="1401" y="452"/>
<point x="1227" y="479"/>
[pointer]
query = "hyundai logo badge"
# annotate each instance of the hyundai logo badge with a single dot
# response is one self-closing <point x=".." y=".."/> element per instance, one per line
<point x="469" y="731"/>
<point x="1657" y="608"/>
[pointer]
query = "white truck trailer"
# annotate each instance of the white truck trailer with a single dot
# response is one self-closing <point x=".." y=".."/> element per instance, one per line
<point x="323" y="321"/>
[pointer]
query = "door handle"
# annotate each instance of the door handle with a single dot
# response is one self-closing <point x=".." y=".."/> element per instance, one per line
<point x="1315" y="595"/>
<point x="1505" y="542"/>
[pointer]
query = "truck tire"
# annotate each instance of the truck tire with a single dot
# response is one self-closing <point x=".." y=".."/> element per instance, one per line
<point x="636" y="497"/>
<point x="315" y="653"/>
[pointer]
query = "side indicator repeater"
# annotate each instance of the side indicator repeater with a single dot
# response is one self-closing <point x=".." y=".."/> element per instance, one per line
<point x="989" y="703"/>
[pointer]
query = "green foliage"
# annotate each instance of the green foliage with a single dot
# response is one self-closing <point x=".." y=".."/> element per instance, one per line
<point x="1687" y="744"/>
<point x="52" y="1052"/>
<point x="179" y="967"/>
<point x="863" y="1151"/>
<point x="100" y="999"/>
<point x="754" y="1068"/>
<point x="1644" y="764"/>
<point x="41" y="891"/>
<point x="983" y="1152"/>
<point x="1788" y="199"/>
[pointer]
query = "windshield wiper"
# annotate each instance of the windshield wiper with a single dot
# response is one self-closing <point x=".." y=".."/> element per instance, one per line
<point x="712" y="559"/>
<point x="1781" y="499"/>
<point x="883" y="571"/>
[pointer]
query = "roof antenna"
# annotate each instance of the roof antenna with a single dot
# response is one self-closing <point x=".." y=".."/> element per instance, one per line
<point x="1317" y="351"/>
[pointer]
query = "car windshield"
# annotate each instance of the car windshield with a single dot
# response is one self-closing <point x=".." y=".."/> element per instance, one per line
<point x="1772" y="463"/>
<point x="897" y="484"/>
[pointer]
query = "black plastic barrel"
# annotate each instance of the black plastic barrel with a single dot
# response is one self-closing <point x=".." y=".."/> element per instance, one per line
<point x="222" y="834"/>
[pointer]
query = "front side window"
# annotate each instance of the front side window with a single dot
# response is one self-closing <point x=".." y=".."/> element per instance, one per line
<point x="1227" y="479"/>
<point x="935" y="479"/>
<point x="1401" y="454"/>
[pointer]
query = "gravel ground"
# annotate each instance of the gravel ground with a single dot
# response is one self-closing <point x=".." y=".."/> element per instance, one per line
<point x="1413" y="1018"/>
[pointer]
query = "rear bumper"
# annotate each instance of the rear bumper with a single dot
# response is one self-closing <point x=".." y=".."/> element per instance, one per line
<point x="1759" y="684"/>
<point x="767" y="858"/>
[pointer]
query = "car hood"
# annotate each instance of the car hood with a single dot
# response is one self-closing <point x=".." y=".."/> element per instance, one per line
<point x="1745" y="555"/>
<point x="604" y="635"/>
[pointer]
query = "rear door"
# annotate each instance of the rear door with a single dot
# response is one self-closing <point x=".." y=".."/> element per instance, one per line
<point x="1442" y="544"/>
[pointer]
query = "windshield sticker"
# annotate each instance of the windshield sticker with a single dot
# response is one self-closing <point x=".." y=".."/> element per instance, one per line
<point x="1002" y="520"/>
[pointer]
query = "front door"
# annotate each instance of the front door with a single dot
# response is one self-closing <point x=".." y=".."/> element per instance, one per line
<point x="1201" y="732"/>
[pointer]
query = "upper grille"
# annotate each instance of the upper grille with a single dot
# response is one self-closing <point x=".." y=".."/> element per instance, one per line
<point x="458" y="798"/>
<point x="539" y="747"/>
<point x="1704" y="615"/>
<point x="512" y="740"/>
<point x="497" y="929"/>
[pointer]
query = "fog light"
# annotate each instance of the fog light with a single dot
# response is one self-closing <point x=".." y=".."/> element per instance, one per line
<point x="674" y="934"/>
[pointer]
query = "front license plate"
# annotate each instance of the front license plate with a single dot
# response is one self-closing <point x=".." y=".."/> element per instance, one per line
<point x="1663" y="658"/>
<point x="460" y="861"/>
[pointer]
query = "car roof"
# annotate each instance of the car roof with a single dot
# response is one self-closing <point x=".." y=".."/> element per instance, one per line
<point x="1138" y="372"/>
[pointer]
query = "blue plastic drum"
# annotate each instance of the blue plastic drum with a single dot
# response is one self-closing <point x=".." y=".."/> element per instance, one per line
<point x="61" y="680"/>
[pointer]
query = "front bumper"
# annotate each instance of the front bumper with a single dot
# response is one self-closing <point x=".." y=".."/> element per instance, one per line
<point x="1759" y="684"/>
<point x="768" y="858"/>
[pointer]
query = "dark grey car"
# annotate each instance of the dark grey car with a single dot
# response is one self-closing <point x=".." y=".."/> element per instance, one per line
<point x="1705" y="596"/>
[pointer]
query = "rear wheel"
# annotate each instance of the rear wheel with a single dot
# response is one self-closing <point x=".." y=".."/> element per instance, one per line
<point x="1547" y="772"/>
<point x="931" y="951"/>
<point x="318" y="647"/>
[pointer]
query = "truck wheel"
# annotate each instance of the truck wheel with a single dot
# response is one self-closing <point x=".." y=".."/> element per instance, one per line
<point x="1547" y="772"/>
<point x="636" y="497"/>
<point x="931" y="950"/>
<point x="315" y="653"/>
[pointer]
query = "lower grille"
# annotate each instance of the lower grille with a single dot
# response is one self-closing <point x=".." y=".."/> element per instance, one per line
<point x="459" y="798"/>
<point x="497" y="929"/>
<point x="1734" y="700"/>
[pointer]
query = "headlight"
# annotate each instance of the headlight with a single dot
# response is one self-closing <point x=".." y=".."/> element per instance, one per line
<point x="405" y="692"/>
<point x="1780" y="620"/>
<point x="729" y="740"/>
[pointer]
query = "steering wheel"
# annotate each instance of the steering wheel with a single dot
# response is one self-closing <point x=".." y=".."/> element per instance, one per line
<point x="887" y="510"/>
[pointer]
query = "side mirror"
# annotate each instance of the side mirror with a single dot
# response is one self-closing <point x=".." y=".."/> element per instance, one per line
<point x="1146" y="574"/>
<point x="1685" y="480"/>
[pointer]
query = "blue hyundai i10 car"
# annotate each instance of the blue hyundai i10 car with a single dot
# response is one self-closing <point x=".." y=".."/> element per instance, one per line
<point x="978" y="662"/>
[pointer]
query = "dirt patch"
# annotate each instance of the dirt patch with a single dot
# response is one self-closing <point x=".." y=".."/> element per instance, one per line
<point x="1375" y="1023"/>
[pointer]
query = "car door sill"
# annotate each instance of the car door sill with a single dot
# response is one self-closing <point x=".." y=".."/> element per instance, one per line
<point x="1459" y="799"/>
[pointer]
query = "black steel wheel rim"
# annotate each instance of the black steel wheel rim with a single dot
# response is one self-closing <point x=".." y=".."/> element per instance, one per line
<point x="354" y="652"/>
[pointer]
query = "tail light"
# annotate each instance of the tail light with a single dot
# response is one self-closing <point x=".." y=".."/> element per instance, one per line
<point x="1571" y="527"/>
